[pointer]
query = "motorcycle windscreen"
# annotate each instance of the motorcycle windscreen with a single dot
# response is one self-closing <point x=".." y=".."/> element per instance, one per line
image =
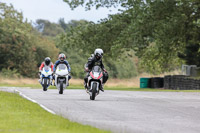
<point x="96" y="72"/>
<point x="62" y="66"/>
<point x="46" y="68"/>
<point x="96" y="69"/>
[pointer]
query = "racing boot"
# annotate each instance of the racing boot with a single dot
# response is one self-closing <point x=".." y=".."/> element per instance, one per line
<point x="101" y="87"/>
<point x="86" y="87"/>
<point x="39" y="80"/>
<point x="51" y="81"/>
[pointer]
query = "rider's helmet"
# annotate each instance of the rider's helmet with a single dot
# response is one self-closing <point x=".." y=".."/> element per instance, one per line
<point x="61" y="57"/>
<point x="98" y="53"/>
<point x="47" y="60"/>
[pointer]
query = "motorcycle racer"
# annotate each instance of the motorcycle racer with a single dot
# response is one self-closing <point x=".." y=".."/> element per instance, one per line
<point x="62" y="60"/>
<point x="47" y="62"/>
<point x="95" y="60"/>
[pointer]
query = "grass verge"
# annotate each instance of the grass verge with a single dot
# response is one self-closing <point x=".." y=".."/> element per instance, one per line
<point x="19" y="115"/>
<point x="119" y="88"/>
<point x="36" y="86"/>
<point x="112" y="84"/>
<point x="147" y="89"/>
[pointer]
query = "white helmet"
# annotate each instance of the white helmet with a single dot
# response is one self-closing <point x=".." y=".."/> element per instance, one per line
<point x="98" y="53"/>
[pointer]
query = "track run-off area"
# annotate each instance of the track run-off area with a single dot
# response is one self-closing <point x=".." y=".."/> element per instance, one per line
<point x="123" y="111"/>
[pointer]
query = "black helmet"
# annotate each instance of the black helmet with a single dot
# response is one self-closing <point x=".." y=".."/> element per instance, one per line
<point x="47" y="61"/>
<point x="98" y="53"/>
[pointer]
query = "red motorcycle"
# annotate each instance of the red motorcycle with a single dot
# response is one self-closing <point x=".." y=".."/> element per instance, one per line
<point x="95" y="81"/>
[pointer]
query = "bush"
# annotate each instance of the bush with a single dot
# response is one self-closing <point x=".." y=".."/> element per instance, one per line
<point x="7" y="73"/>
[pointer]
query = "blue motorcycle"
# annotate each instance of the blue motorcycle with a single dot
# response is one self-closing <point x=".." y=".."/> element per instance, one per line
<point x="46" y="77"/>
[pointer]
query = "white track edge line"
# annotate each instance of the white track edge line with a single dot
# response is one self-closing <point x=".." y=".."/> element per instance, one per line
<point x="28" y="98"/>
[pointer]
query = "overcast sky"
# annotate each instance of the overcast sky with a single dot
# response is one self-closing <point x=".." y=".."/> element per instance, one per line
<point x="52" y="10"/>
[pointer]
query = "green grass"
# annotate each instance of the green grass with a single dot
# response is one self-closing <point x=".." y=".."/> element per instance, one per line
<point x="18" y="115"/>
<point x="147" y="89"/>
<point x="39" y="86"/>
<point x="120" y="88"/>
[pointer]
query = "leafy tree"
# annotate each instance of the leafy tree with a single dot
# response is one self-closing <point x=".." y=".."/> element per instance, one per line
<point x="72" y="23"/>
<point x="16" y="51"/>
<point x="62" y="23"/>
<point x="79" y="42"/>
<point x="97" y="3"/>
<point x="47" y="28"/>
<point x="157" y="30"/>
<point x="21" y="48"/>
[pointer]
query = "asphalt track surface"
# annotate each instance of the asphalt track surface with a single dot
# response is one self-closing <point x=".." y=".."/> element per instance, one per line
<point x="125" y="111"/>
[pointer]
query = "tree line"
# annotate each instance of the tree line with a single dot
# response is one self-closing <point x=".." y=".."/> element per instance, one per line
<point x="21" y="47"/>
<point x="24" y="45"/>
<point x="163" y="33"/>
<point x="152" y="36"/>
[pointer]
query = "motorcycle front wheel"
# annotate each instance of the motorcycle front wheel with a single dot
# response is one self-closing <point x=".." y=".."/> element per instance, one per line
<point x="94" y="91"/>
<point x="45" y="85"/>
<point x="61" y="87"/>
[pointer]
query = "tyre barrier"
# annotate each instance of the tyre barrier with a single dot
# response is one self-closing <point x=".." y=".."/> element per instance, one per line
<point x="155" y="82"/>
<point x="167" y="82"/>
<point x="174" y="82"/>
<point x="181" y="82"/>
<point x="145" y="82"/>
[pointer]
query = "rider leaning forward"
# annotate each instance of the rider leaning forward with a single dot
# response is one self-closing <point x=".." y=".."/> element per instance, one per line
<point x="62" y="60"/>
<point x="46" y="63"/>
<point x="95" y="60"/>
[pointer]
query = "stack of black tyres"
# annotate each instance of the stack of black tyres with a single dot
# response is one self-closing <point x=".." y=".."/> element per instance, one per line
<point x="173" y="83"/>
<point x="167" y="82"/>
<point x="187" y="84"/>
<point x="184" y="83"/>
<point x="177" y="82"/>
<point x="181" y="82"/>
<point x="157" y="82"/>
<point x="196" y="84"/>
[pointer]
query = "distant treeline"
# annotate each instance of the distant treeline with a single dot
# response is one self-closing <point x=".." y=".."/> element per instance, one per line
<point x="24" y="45"/>
<point x="163" y="33"/>
<point x="152" y="36"/>
<point x="22" y="48"/>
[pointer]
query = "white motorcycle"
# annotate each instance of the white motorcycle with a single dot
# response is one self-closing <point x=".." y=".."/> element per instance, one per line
<point x="95" y="81"/>
<point x="61" y="77"/>
<point x="46" y="77"/>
